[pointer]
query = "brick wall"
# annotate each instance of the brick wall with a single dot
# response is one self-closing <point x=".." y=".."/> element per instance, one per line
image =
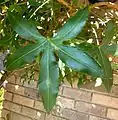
<point x="23" y="103"/>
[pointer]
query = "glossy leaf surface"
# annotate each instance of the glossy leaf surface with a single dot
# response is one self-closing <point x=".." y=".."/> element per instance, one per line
<point x="111" y="49"/>
<point x="106" y="66"/>
<point x="48" y="79"/>
<point x="78" y="60"/>
<point x="24" y="55"/>
<point x="24" y="28"/>
<point x="73" y="26"/>
<point x="109" y="33"/>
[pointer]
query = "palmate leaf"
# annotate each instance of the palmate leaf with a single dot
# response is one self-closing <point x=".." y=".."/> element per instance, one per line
<point x="24" y="28"/>
<point x="73" y="57"/>
<point x="106" y="66"/>
<point x="48" y="80"/>
<point x="24" y="55"/>
<point x="78" y="60"/>
<point x="73" y="26"/>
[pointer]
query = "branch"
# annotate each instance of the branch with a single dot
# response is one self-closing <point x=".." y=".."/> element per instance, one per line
<point x="65" y="3"/>
<point x="107" y="4"/>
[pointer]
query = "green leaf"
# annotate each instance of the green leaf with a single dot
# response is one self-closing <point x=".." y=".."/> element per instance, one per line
<point x="106" y="66"/>
<point x="5" y="40"/>
<point x="34" y="3"/>
<point x="73" y="26"/>
<point x="49" y="83"/>
<point x="111" y="49"/>
<point x="109" y="33"/>
<point x="24" y="28"/>
<point x="79" y="60"/>
<point x="3" y="1"/>
<point x="24" y="55"/>
<point x="88" y="47"/>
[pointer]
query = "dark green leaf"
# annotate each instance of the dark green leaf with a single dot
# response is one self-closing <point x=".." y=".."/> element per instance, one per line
<point x="3" y="1"/>
<point x="111" y="49"/>
<point x="89" y="48"/>
<point x="24" y="28"/>
<point x="49" y="83"/>
<point x="106" y="66"/>
<point x="24" y="55"/>
<point x="34" y="3"/>
<point x="109" y="33"/>
<point x="5" y="41"/>
<point x="79" y="60"/>
<point x="73" y="26"/>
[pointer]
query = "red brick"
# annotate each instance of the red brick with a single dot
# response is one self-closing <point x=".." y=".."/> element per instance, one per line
<point x="39" y="106"/>
<point x="8" y="96"/>
<point x="82" y="106"/>
<point x="90" y="108"/>
<point x="61" y="104"/>
<point x="105" y="100"/>
<point x="12" y="106"/>
<point x="51" y="117"/>
<point x="29" y="112"/>
<point x="14" y="116"/>
<point x="11" y="79"/>
<point x="15" y="89"/>
<point x="96" y="118"/>
<point x="23" y="100"/>
<point x="73" y="115"/>
<point x="5" y="113"/>
<point x="65" y="103"/>
<point x="98" y="110"/>
<point x="31" y="93"/>
<point x="33" y="113"/>
<point x="76" y="94"/>
<point x="112" y="114"/>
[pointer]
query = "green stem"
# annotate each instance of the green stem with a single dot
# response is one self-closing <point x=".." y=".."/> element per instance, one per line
<point x="52" y="13"/>
<point x="22" y="3"/>
<point x="38" y="8"/>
